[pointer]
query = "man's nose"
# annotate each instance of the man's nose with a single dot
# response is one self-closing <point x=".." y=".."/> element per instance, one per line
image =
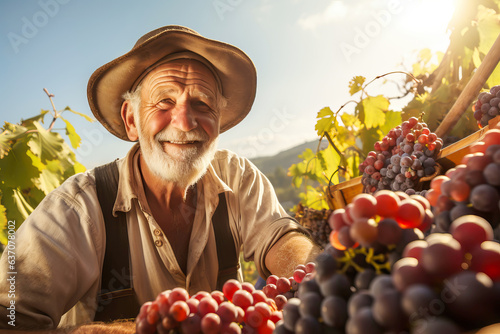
<point x="183" y="117"/>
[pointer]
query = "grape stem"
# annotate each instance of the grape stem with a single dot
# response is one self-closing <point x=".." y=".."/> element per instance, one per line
<point x="378" y="262"/>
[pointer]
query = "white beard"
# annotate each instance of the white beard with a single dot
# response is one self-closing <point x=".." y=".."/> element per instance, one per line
<point x="184" y="169"/>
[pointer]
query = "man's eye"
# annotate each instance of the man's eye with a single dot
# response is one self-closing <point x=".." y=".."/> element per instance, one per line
<point x="165" y="103"/>
<point x="202" y="105"/>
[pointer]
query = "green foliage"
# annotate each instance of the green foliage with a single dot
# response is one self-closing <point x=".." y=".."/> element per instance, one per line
<point x="33" y="162"/>
<point x="473" y="30"/>
<point x="434" y="86"/>
<point x="350" y="140"/>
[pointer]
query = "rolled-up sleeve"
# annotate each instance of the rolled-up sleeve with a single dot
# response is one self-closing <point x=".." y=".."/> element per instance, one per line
<point x="58" y="251"/>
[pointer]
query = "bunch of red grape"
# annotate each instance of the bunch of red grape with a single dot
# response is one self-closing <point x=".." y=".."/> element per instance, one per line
<point x="238" y="308"/>
<point x="472" y="187"/>
<point x="406" y="154"/>
<point x="378" y="219"/>
<point x="447" y="282"/>
<point x="487" y="106"/>
<point x="281" y="289"/>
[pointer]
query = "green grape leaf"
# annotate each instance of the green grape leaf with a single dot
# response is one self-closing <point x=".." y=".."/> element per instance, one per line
<point x="326" y="121"/>
<point x="374" y="110"/>
<point x="3" y="224"/>
<point x="350" y="120"/>
<point x="74" y="138"/>
<point x="12" y="132"/>
<point x="314" y="199"/>
<point x="471" y="37"/>
<point x="392" y="119"/>
<point x="19" y="167"/>
<point x="488" y="28"/>
<point x="80" y="114"/>
<point x="368" y="138"/>
<point x="45" y="144"/>
<point x="353" y="162"/>
<point x="296" y="171"/>
<point x="425" y="55"/>
<point x="23" y="207"/>
<point x="49" y="181"/>
<point x="356" y="84"/>
<point x="330" y="161"/>
<point x="38" y="118"/>
<point x="79" y="168"/>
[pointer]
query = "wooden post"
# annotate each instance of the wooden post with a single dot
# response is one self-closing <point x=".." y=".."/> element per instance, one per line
<point x="471" y="90"/>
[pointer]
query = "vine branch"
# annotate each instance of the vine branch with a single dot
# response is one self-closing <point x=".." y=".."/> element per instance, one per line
<point x="53" y="107"/>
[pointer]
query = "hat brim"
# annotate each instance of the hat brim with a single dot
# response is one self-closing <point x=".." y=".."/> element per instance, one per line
<point x="235" y="69"/>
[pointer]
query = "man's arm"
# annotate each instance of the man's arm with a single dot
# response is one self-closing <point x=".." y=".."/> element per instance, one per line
<point x="290" y="250"/>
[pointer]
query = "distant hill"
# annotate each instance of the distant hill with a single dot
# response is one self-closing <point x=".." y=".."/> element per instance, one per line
<point x="284" y="159"/>
<point x="276" y="167"/>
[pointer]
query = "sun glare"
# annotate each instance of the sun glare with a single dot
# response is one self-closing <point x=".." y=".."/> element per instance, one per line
<point x="431" y="16"/>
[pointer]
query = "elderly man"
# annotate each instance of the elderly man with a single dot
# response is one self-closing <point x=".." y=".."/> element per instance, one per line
<point x="175" y="212"/>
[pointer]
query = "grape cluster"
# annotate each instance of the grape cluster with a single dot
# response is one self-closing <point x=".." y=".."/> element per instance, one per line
<point x="472" y="187"/>
<point x="316" y="222"/>
<point x="238" y="308"/>
<point x="487" y="106"/>
<point x="371" y="220"/>
<point x="281" y="289"/>
<point x="446" y="283"/>
<point x="406" y="154"/>
<point x="319" y="305"/>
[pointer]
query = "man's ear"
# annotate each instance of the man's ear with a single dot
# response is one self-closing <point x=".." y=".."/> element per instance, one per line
<point x="129" y="121"/>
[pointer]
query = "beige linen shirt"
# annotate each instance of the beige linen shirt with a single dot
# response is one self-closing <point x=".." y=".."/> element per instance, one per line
<point x="60" y="247"/>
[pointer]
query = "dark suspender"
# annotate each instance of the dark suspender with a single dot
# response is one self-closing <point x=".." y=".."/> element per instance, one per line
<point x="117" y="299"/>
<point x="226" y="251"/>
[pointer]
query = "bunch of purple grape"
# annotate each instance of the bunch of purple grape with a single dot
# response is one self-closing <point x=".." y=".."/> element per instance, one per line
<point x="472" y="187"/>
<point x="447" y="283"/>
<point x="406" y="154"/>
<point x="487" y="106"/>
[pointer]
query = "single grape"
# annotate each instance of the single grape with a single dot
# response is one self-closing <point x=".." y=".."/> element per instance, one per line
<point x="363" y="322"/>
<point x="470" y="301"/>
<point x="418" y="299"/>
<point x="310" y="304"/>
<point x="484" y="198"/>
<point x="336" y="285"/>
<point x="364" y="278"/>
<point x="470" y="231"/>
<point x="211" y="323"/>
<point x="230" y="287"/>
<point x="291" y="313"/>
<point x="492" y="174"/>
<point x="387" y="311"/>
<point x="307" y="325"/>
<point x="334" y="311"/>
<point x="443" y="255"/>
<point x="486" y="259"/>
<point x="389" y="232"/>
<point x="381" y="283"/>
<point x="407" y="272"/>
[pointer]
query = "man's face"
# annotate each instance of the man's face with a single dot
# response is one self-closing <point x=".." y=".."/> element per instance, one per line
<point x="178" y="120"/>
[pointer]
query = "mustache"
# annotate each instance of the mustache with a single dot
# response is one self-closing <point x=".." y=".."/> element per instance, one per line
<point x="176" y="135"/>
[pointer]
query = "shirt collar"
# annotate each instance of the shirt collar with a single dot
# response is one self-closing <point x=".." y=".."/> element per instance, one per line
<point x="130" y="181"/>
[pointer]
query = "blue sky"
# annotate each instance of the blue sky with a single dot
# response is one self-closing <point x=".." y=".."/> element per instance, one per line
<point x="305" y="53"/>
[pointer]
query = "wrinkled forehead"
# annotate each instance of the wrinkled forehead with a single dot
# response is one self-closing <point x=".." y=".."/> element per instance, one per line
<point x="182" y="71"/>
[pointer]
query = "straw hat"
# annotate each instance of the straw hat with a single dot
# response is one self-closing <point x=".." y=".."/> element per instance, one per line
<point x="233" y="69"/>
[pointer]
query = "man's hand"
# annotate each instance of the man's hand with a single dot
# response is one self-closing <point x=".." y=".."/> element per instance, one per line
<point x="291" y="250"/>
